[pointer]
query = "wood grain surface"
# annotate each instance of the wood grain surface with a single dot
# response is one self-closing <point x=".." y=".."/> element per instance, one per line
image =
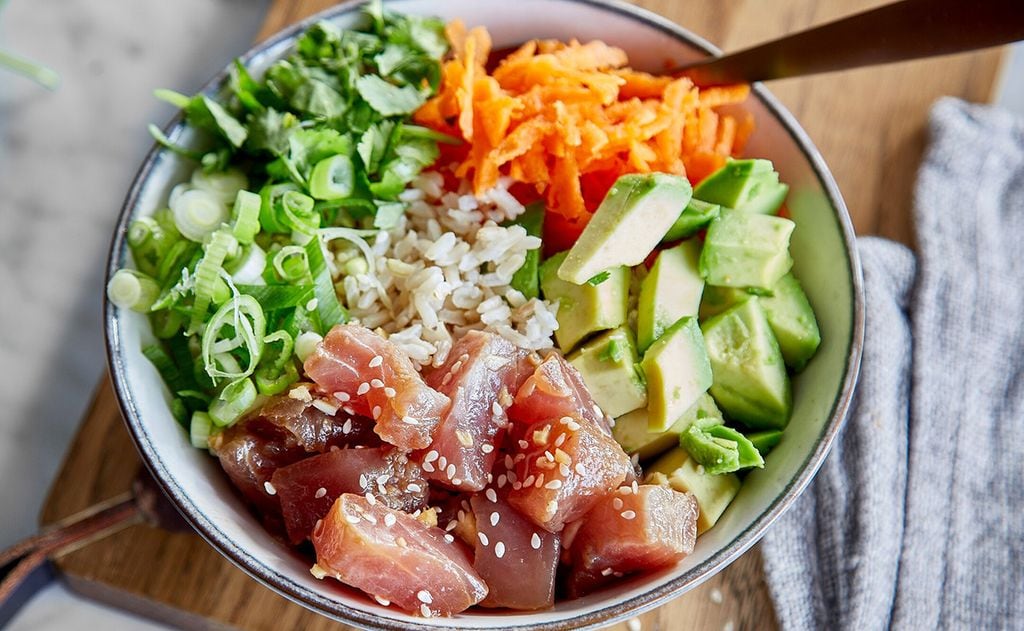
<point x="869" y="124"/>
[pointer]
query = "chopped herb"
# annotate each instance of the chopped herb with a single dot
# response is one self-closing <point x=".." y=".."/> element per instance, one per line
<point x="599" y="278"/>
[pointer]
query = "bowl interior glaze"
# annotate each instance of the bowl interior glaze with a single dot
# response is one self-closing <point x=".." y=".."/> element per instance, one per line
<point x="826" y="263"/>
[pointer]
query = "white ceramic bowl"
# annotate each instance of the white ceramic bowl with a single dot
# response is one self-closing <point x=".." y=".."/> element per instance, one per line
<point x="826" y="263"/>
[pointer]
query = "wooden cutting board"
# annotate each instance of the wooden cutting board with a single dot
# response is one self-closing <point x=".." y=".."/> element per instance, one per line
<point x="870" y="126"/>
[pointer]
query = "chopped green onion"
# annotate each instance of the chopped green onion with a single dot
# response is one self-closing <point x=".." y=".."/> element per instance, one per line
<point x="177" y="258"/>
<point x="270" y="207"/>
<point x="327" y="305"/>
<point x="247" y="268"/>
<point x="299" y="213"/>
<point x="416" y="131"/>
<point x="168" y="370"/>
<point x="273" y="376"/>
<point x="129" y="289"/>
<point x="198" y="213"/>
<point x="235" y="400"/>
<point x="166" y="323"/>
<point x="275" y="297"/>
<point x="292" y="264"/>
<point x="208" y="273"/>
<point x="332" y="178"/>
<point x="246" y="214"/>
<point x="245" y="318"/>
<point x="306" y="343"/>
<point x="355" y="237"/>
<point x="199" y="430"/>
<point x="224" y="185"/>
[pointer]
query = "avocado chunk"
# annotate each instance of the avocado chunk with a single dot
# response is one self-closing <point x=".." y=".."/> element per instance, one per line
<point x="678" y="372"/>
<point x="750" y="381"/>
<point x="746" y="250"/>
<point x="584" y="309"/>
<point x="526" y="279"/>
<point x="714" y="493"/>
<point x="670" y="291"/>
<point x="631" y="220"/>
<point x="630" y="430"/>
<point x="765" y="441"/>
<point x="696" y="216"/>
<point x="789" y="314"/>
<point x="719" y="448"/>
<point x="608" y="366"/>
<point x="747" y="185"/>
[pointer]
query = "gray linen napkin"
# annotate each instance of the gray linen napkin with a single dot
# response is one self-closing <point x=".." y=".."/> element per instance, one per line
<point x="916" y="519"/>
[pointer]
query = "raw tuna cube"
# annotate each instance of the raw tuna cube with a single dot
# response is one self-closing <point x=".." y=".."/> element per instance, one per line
<point x="281" y="432"/>
<point x="308" y="488"/>
<point x="481" y="372"/>
<point x="556" y="389"/>
<point x="374" y="377"/>
<point x="395" y="558"/>
<point x="629" y="531"/>
<point x="567" y="466"/>
<point x="517" y="560"/>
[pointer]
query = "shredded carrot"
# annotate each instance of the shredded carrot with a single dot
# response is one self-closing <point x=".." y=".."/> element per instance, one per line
<point x="568" y="119"/>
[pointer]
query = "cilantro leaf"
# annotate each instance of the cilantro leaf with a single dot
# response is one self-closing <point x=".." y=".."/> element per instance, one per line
<point x="388" y="99"/>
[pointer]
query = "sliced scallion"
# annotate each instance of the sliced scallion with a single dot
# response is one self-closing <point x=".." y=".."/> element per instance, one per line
<point x="271" y="216"/>
<point x="235" y="400"/>
<point x="275" y="297"/>
<point x="276" y="372"/>
<point x="198" y="213"/>
<point x="327" y="305"/>
<point x="129" y="289"/>
<point x="247" y="268"/>
<point x="292" y="264"/>
<point x="208" y="274"/>
<point x="246" y="215"/>
<point x="224" y="185"/>
<point x="244" y="318"/>
<point x="199" y="430"/>
<point x="332" y="178"/>
<point x="298" y="212"/>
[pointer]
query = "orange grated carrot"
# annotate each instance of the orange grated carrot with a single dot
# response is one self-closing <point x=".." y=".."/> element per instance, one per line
<point x="568" y="118"/>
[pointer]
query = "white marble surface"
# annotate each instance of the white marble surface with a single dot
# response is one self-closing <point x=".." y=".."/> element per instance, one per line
<point x="66" y="160"/>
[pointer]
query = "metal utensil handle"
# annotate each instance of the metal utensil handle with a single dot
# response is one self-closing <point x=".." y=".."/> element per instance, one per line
<point x="901" y="31"/>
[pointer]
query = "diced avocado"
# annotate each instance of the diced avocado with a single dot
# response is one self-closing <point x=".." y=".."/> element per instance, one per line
<point x="719" y="448"/>
<point x="634" y="216"/>
<point x="746" y="250"/>
<point x="584" y="309"/>
<point x="695" y="216"/>
<point x="525" y="280"/>
<point x="608" y="366"/>
<point x="750" y="381"/>
<point x="670" y="291"/>
<point x="749" y="185"/>
<point x="789" y="314"/>
<point x="679" y="471"/>
<point x="677" y="371"/>
<point x="630" y="430"/>
<point x="765" y="441"/>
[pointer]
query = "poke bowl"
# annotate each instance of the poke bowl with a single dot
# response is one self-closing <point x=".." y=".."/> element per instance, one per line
<point x="819" y="249"/>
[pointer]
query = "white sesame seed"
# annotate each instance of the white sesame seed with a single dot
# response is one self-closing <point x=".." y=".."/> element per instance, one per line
<point x="456" y="366"/>
<point x="344" y="397"/>
<point x="415" y="488"/>
<point x="362" y="480"/>
<point x="550" y="456"/>
<point x="580" y="469"/>
<point x="491" y="495"/>
<point x="370" y="518"/>
<point x="424" y="596"/>
<point x="376" y="412"/>
<point x="376" y="383"/>
<point x="508" y="461"/>
<point x="449" y="538"/>
<point x="565" y="420"/>
<point x="517" y="485"/>
<point x="535" y="541"/>
<point x="497" y="409"/>
<point x="352" y="519"/>
<point x="499" y="549"/>
<point x="383" y="478"/>
<point x="429" y="468"/>
<point x="729" y="626"/>
<point x="320" y="492"/>
<point x="363" y="388"/>
<point x="502" y="481"/>
<point x="383" y="601"/>
<point x="269" y="488"/>
<point x="554" y="484"/>
<point x="628" y="514"/>
<point x="389" y="520"/>
<point x="540" y="480"/>
<point x="523" y="444"/>
<point x="487" y="448"/>
<point x="446" y="379"/>
<point x="573" y="426"/>
<point x="442" y="463"/>
<point x="456" y="481"/>
<point x="370" y="499"/>
<point x="617" y="503"/>
<point x="347" y="427"/>
<point x="564" y="469"/>
<point x="483" y="538"/>
<point x="560" y="440"/>
<point x="402" y="542"/>
<point x="495" y="517"/>
<point x="389" y="392"/>
<point x="376" y="361"/>
<point x="452" y="525"/>
<point x="425" y="610"/>
<point x="349" y="410"/>
<point x="716" y="596"/>
<point x="606" y="571"/>
<point x="529" y="480"/>
<point x="450" y="471"/>
<point x="636" y="488"/>
<point x="431" y="456"/>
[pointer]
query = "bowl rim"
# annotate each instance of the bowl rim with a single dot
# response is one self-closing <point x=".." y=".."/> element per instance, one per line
<point x="612" y="612"/>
